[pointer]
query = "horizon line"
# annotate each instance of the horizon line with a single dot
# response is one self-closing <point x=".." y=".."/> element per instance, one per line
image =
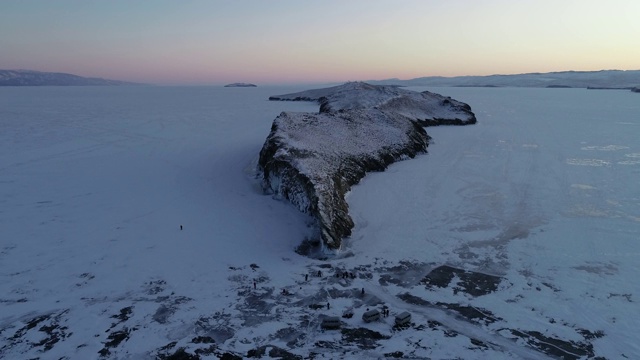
<point x="308" y="82"/>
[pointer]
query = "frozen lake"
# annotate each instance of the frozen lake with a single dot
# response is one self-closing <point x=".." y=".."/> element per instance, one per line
<point x="561" y="165"/>
<point x="96" y="181"/>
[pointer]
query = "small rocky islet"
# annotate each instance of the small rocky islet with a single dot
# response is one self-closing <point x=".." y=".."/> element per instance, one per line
<point x="313" y="159"/>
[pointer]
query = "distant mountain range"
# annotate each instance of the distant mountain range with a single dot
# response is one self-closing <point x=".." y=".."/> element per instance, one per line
<point x="603" y="79"/>
<point x="37" y="78"/>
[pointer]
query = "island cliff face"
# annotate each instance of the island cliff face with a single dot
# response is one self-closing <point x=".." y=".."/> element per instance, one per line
<point x="313" y="159"/>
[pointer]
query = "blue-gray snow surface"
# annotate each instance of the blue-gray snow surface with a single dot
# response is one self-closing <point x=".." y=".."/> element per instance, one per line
<point x="513" y="238"/>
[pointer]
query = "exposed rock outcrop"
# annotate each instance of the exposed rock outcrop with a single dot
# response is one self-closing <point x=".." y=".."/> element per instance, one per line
<point x="313" y="159"/>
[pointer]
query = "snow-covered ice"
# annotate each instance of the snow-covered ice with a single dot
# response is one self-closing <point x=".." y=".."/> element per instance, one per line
<point x="96" y="182"/>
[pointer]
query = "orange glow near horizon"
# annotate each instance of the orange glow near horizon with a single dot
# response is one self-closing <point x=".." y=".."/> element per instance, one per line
<point x="204" y="42"/>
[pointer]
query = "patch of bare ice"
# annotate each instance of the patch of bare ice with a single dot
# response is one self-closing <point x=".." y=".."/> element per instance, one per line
<point x="582" y="187"/>
<point x="598" y="268"/>
<point x="588" y="210"/>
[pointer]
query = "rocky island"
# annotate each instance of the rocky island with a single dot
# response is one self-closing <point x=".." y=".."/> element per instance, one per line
<point x="241" y="85"/>
<point x="313" y="159"/>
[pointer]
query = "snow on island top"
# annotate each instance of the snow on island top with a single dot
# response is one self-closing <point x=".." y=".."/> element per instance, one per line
<point x="313" y="159"/>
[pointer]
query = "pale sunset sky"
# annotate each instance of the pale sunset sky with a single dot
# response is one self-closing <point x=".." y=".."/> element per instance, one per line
<point x="209" y="42"/>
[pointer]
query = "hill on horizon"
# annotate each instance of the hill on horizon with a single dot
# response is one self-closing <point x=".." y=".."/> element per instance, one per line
<point x="602" y="79"/>
<point x="39" y="78"/>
